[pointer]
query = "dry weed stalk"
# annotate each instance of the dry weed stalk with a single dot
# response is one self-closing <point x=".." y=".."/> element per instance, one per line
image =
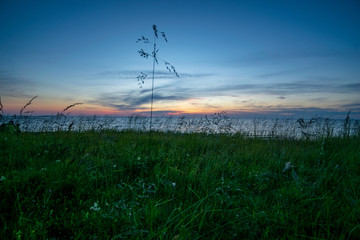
<point x="70" y="106"/>
<point x="347" y="125"/>
<point x="156" y="59"/>
<point x="1" y="109"/>
<point x="26" y="105"/>
<point x="62" y="114"/>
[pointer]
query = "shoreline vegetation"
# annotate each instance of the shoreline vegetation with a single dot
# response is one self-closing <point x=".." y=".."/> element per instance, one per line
<point x="313" y="128"/>
<point x="218" y="123"/>
<point x="105" y="184"/>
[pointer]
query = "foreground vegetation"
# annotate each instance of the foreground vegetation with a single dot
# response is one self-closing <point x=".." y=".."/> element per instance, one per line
<point x="136" y="185"/>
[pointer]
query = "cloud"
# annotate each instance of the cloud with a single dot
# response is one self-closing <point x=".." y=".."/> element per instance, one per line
<point x="118" y="77"/>
<point x="131" y="101"/>
<point x="351" y="87"/>
<point x="352" y="106"/>
<point x="281" y="73"/>
<point x="139" y="99"/>
<point x="13" y="86"/>
<point x="327" y="80"/>
<point x="264" y="57"/>
<point x="159" y="113"/>
<point x="281" y="90"/>
<point x="284" y="89"/>
<point x="135" y="102"/>
<point x="158" y="75"/>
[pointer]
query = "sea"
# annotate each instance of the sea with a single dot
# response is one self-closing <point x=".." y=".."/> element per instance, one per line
<point x="210" y="124"/>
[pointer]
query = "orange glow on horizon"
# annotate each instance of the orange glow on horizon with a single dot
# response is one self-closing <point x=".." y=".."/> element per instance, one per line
<point x="195" y="106"/>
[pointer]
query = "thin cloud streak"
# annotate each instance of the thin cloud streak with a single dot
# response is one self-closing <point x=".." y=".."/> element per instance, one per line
<point x="283" y="88"/>
<point x="282" y="73"/>
<point x="12" y="86"/>
<point x="135" y="100"/>
<point x="158" y="74"/>
<point x="262" y="57"/>
<point x="352" y="106"/>
<point x="131" y="102"/>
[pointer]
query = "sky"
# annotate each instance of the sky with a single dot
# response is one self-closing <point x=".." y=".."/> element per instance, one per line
<point x="247" y="58"/>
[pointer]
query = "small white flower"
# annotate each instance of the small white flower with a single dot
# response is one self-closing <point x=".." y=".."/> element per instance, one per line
<point x="139" y="158"/>
<point x="58" y="160"/>
<point x="114" y="165"/>
<point x="173" y="184"/>
<point x="2" y="178"/>
<point x="95" y="207"/>
<point x="288" y="165"/>
<point x="43" y="169"/>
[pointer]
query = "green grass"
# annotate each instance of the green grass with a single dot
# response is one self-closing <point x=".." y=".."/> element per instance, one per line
<point x="132" y="185"/>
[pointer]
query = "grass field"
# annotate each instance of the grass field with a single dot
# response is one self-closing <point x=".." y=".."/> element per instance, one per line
<point x="136" y="185"/>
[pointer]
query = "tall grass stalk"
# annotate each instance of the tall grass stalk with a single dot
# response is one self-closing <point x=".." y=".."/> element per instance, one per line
<point x="26" y="105"/>
<point x="156" y="59"/>
<point x="1" y="109"/>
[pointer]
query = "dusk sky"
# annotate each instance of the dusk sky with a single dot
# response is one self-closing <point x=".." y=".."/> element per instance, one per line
<point x="249" y="58"/>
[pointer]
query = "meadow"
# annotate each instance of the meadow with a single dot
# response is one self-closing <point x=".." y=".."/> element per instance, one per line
<point x="106" y="184"/>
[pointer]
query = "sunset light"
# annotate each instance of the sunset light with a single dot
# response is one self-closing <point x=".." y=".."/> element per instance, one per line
<point x="279" y="57"/>
<point x="180" y="119"/>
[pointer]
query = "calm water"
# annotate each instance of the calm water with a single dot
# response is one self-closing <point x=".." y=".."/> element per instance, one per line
<point x="218" y="123"/>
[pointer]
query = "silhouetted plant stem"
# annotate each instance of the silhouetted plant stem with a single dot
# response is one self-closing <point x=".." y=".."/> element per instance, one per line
<point x="1" y="109"/>
<point x="143" y="76"/>
<point x="152" y="86"/>
<point x="26" y="105"/>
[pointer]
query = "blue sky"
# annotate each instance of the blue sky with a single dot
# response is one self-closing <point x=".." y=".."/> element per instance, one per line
<point x="250" y="58"/>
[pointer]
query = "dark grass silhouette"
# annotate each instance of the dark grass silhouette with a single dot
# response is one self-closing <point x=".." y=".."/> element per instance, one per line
<point x="1" y="109"/>
<point x="156" y="59"/>
<point x="129" y="185"/>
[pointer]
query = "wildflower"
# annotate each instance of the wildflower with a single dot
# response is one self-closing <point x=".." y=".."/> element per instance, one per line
<point x="2" y="178"/>
<point x="114" y="165"/>
<point x="95" y="207"/>
<point x="173" y="184"/>
<point x="58" y="160"/>
<point x="43" y="169"/>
